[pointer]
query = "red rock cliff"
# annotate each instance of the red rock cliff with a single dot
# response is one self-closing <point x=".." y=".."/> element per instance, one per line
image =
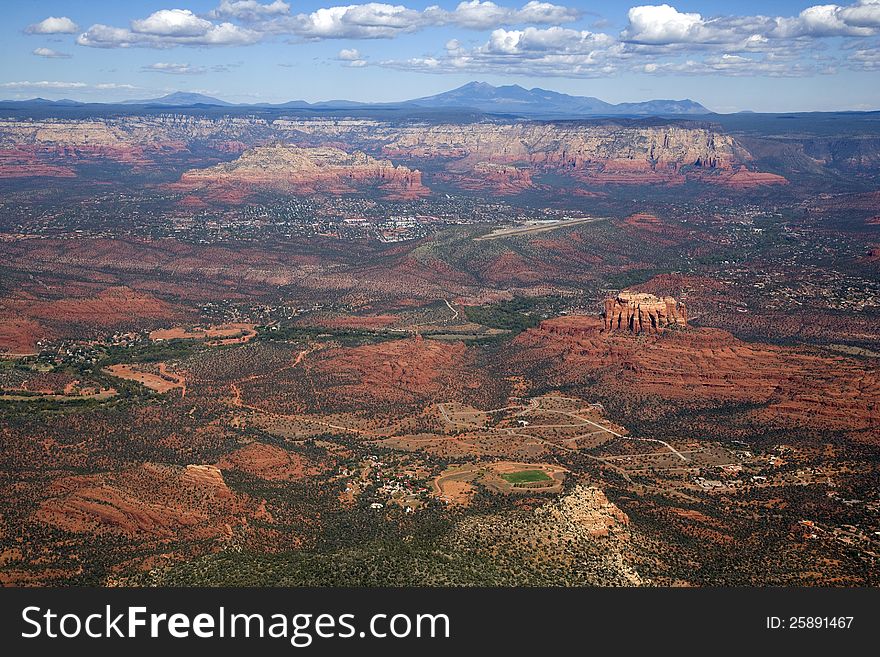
<point x="638" y="312"/>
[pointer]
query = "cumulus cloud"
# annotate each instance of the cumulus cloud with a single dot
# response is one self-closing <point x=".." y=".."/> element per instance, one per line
<point x="865" y="13"/>
<point x="171" y="68"/>
<point x="535" y="38"/>
<point x="555" y="51"/>
<point x="48" y="53"/>
<point x="479" y="15"/>
<point x="53" y="25"/>
<point x="658" y="39"/>
<point x="661" y="24"/>
<point x="172" y="22"/>
<point x="352" y="58"/>
<point x="664" y="25"/>
<point x="860" y="19"/>
<point x="167" y="28"/>
<point x="378" y="20"/>
<point x="373" y="20"/>
<point x="249" y="10"/>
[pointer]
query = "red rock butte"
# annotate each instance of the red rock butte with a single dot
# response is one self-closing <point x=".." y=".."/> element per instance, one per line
<point x="639" y="312"/>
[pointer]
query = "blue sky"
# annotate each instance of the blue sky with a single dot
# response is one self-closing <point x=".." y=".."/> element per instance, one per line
<point x="763" y="56"/>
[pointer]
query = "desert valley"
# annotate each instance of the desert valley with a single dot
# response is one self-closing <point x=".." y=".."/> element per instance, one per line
<point x="437" y="346"/>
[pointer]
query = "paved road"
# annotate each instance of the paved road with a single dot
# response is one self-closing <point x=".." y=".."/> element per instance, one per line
<point x="538" y="228"/>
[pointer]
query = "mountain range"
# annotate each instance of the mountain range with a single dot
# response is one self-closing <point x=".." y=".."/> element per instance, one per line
<point x="480" y="96"/>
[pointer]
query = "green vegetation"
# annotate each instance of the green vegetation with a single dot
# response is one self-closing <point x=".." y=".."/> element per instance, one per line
<point x="347" y="337"/>
<point x="152" y="352"/>
<point x="525" y="476"/>
<point x="515" y="315"/>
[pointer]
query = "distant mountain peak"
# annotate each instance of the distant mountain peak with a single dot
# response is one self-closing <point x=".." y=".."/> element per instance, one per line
<point x="482" y="97"/>
<point x="180" y="99"/>
<point x="537" y="102"/>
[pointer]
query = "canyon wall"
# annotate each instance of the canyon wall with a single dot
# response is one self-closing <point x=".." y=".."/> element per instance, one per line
<point x="489" y="154"/>
<point x="638" y="312"/>
<point x="287" y="168"/>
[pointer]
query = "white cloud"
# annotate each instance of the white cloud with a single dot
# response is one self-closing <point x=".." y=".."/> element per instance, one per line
<point x="865" y="13"/>
<point x="352" y="58"/>
<point x="658" y="40"/>
<point x="50" y="54"/>
<point x="53" y="25"/>
<point x="664" y="25"/>
<point x="172" y="22"/>
<point x="479" y="15"/>
<point x="861" y="19"/>
<point x="171" y="68"/>
<point x="377" y="20"/>
<point x="58" y="85"/>
<point x="661" y="24"/>
<point x="532" y="39"/>
<point x="373" y="20"/>
<point x="167" y="28"/>
<point x="865" y="59"/>
<point x="249" y="10"/>
<point x="544" y="13"/>
<point x="44" y="84"/>
<point x="733" y="66"/>
<point x="553" y="51"/>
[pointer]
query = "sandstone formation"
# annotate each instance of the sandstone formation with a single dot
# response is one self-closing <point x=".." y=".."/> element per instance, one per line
<point x="586" y="510"/>
<point x="595" y="153"/>
<point x="500" y="178"/>
<point x="299" y="170"/>
<point x="152" y="500"/>
<point x="793" y="386"/>
<point x="268" y="462"/>
<point x="398" y="372"/>
<point x="206" y="475"/>
<point x="639" y="312"/>
<point x="573" y="145"/>
<point x="486" y="155"/>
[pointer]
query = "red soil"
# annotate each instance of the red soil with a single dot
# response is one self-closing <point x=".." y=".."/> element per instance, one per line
<point x="397" y="372"/>
<point x="19" y="335"/>
<point x="112" y="306"/>
<point x="268" y="462"/>
<point x="741" y="178"/>
<point x="797" y="386"/>
<point x="152" y="500"/>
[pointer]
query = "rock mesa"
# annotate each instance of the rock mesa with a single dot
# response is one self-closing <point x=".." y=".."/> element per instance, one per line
<point x="639" y="312"/>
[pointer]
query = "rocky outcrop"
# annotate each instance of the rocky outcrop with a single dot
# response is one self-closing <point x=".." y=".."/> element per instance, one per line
<point x="499" y="178"/>
<point x="585" y="511"/>
<point x="639" y="312"/>
<point x="208" y="476"/>
<point x="152" y="500"/>
<point x="596" y="153"/>
<point x="269" y="462"/>
<point x="573" y="145"/>
<point x="490" y="155"/>
<point x="294" y="169"/>
<point x="800" y="387"/>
